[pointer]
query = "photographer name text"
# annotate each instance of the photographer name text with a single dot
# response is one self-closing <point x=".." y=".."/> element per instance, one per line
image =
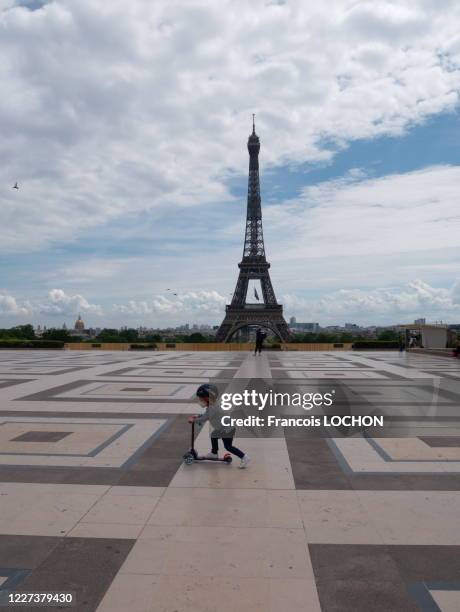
<point x="312" y="421"/>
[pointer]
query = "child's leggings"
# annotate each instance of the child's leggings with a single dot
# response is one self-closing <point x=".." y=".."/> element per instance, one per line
<point x="228" y="444"/>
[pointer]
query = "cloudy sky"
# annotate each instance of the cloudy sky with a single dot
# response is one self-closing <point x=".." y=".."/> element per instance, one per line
<point x="125" y="125"/>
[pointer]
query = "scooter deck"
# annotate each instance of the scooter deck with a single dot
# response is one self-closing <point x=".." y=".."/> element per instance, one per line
<point x="192" y="456"/>
<point x="211" y="459"/>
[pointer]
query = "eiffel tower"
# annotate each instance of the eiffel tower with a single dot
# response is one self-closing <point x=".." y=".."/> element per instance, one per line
<point x="253" y="265"/>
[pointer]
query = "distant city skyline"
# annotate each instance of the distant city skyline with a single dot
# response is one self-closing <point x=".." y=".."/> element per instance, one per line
<point x="294" y="325"/>
<point x="132" y="176"/>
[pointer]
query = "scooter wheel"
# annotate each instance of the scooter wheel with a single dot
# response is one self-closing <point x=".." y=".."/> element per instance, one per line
<point x="188" y="459"/>
<point x="227" y="458"/>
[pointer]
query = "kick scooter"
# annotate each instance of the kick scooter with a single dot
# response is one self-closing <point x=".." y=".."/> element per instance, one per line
<point x="192" y="454"/>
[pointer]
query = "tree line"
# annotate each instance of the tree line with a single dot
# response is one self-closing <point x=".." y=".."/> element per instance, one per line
<point x="26" y="332"/>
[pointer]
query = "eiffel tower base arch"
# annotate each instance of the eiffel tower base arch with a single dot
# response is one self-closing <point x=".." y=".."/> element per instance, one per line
<point x="237" y="317"/>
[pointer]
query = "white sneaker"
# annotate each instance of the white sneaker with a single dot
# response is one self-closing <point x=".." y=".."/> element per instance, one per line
<point x="244" y="462"/>
<point x="211" y="456"/>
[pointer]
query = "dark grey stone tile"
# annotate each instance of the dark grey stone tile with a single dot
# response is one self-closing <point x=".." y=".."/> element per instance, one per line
<point x="427" y="563"/>
<point x="25" y="551"/>
<point x="365" y="596"/>
<point x="351" y="561"/>
<point x="441" y="441"/>
<point x="147" y="478"/>
<point x="13" y="382"/>
<point x="314" y="466"/>
<point x="41" y="436"/>
<point x="57" y="475"/>
<point x="323" y="479"/>
<point x="84" y="565"/>
<point x="405" y="482"/>
<point x="377" y="577"/>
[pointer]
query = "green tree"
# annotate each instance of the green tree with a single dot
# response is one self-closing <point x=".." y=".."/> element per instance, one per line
<point x="115" y="335"/>
<point x="388" y="334"/>
<point x="59" y="334"/>
<point x="25" y="332"/>
<point x="153" y="338"/>
<point x="108" y="335"/>
<point x="196" y="337"/>
<point x="129" y="335"/>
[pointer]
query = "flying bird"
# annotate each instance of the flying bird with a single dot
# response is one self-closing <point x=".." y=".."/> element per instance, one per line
<point x="15" y="186"/>
<point x="256" y="295"/>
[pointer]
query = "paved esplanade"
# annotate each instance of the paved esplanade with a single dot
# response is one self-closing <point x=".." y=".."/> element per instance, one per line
<point x="94" y="498"/>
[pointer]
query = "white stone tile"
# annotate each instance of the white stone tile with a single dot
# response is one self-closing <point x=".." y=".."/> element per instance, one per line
<point x="105" y="530"/>
<point x="414" y="517"/>
<point x="144" y="491"/>
<point x="227" y="507"/>
<point x="33" y="489"/>
<point x="39" y="528"/>
<point x="413" y="449"/>
<point x="58" y="507"/>
<point x="148" y="593"/>
<point x="336" y="517"/>
<point x="123" y="509"/>
<point x="220" y="551"/>
<point x="447" y="601"/>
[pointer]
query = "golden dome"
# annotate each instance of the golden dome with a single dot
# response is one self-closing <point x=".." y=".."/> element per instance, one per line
<point x="79" y="324"/>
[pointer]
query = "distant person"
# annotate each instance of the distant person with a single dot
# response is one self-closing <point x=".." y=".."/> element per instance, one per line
<point x="260" y="337"/>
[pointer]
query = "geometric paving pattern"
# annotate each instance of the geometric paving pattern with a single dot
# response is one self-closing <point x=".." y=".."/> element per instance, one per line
<point x="74" y="442"/>
<point x="94" y="497"/>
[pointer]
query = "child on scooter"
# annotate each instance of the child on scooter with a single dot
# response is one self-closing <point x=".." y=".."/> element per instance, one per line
<point x="207" y="396"/>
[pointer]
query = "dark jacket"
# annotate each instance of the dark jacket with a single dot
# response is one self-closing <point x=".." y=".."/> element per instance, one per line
<point x="260" y="336"/>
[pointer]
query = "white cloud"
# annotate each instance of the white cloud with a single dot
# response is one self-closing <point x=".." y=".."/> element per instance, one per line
<point x="60" y="303"/>
<point x="192" y="305"/>
<point x="112" y="108"/>
<point x="354" y="216"/>
<point x="387" y="305"/>
<point x="10" y="307"/>
<point x="380" y="305"/>
<point x="57" y="303"/>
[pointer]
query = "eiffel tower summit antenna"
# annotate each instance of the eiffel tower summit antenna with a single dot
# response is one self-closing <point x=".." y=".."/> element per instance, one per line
<point x="253" y="266"/>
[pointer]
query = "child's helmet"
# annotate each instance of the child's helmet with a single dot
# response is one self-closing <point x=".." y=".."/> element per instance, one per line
<point x="207" y="390"/>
